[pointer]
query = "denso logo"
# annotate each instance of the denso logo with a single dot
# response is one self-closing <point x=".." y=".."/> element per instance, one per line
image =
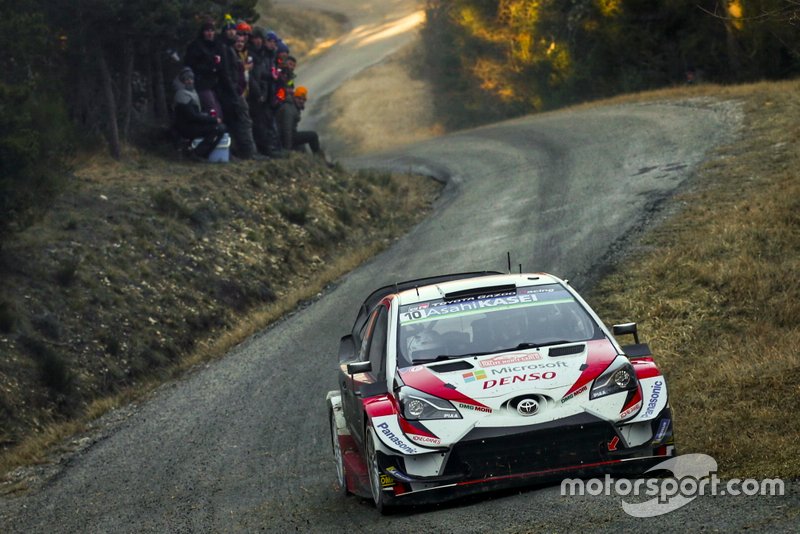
<point x="506" y="380"/>
<point x="653" y="402"/>
<point x="530" y="367"/>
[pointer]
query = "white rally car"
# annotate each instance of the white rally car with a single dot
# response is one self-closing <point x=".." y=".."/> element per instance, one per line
<point x="472" y="381"/>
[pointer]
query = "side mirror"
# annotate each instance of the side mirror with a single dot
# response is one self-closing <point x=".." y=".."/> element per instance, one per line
<point x="359" y="367"/>
<point x="627" y="328"/>
<point x="347" y="349"/>
<point x="637" y="350"/>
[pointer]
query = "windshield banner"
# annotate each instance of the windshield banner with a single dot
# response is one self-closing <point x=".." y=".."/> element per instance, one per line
<point x="521" y="298"/>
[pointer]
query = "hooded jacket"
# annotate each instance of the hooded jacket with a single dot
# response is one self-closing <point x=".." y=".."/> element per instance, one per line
<point x="188" y="114"/>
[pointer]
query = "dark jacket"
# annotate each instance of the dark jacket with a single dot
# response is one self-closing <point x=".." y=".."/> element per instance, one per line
<point x="288" y="117"/>
<point x="205" y="59"/>
<point x="228" y="91"/>
<point x="262" y="77"/>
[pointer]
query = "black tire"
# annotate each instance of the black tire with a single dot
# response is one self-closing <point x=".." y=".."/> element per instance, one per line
<point x="382" y="501"/>
<point x="338" y="458"/>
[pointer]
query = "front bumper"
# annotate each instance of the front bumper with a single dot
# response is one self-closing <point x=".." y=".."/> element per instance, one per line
<point x="488" y="458"/>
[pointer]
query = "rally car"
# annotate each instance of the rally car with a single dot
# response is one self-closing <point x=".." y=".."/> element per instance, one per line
<point x="474" y="381"/>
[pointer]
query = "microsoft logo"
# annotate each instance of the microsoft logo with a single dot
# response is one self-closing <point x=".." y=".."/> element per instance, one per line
<point x="472" y="376"/>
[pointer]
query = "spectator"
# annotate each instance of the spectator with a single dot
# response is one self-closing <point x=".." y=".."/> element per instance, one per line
<point x="190" y="121"/>
<point x="288" y="119"/>
<point x="262" y="86"/>
<point x="244" y="65"/>
<point x="204" y="56"/>
<point x="243" y="28"/>
<point x="284" y="85"/>
<point x="237" y="113"/>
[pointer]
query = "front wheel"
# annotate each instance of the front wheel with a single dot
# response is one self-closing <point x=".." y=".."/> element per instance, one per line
<point x="379" y="497"/>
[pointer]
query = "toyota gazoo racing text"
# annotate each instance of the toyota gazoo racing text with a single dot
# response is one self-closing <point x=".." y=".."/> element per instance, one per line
<point x="469" y="382"/>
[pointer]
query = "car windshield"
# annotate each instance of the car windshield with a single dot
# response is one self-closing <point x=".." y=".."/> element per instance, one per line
<point x="527" y="317"/>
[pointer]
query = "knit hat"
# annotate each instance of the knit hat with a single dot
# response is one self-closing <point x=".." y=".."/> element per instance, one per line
<point x="272" y="36"/>
<point x="185" y="73"/>
<point x="259" y="32"/>
<point x="282" y="47"/>
<point x="301" y="92"/>
<point x="229" y="23"/>
<point x="244" y="27"/>
<point x="207" y="25"/>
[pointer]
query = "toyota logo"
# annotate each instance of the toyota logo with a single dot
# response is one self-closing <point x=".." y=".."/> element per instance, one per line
<point x="527" y="407"/>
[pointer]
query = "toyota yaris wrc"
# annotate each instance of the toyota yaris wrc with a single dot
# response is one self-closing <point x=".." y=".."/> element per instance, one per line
<point x="469" y="382"/>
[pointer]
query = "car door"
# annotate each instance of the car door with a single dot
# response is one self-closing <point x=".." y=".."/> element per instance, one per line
<point x="362" y="385"/>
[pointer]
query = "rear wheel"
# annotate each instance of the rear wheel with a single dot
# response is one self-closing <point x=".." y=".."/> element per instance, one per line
<point x="379" y="497"/>
<point x="338" y="457"/>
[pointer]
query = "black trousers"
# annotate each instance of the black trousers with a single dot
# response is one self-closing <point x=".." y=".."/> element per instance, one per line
<point x="265" y="130"/>
<point x="211" y="134"/>
<point x="306" y="137"/>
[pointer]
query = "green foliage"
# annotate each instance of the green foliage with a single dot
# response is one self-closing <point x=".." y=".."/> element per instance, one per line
<point x="35" y="131"/>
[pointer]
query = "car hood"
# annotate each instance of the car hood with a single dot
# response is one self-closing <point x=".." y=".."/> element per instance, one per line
<point x="560" y="371"/>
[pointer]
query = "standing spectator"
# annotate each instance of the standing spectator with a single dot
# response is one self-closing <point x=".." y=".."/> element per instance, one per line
<point x="288" y="120"/>
<point x="204" y="56"/>
<point x="232" y="97"/>
<point x="244" y="66"/>
<point x="190" y="121"/>
<point x="262" y="84"/>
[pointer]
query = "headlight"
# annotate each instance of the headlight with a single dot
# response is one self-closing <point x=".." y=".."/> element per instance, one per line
<point x="417" y="405"/>
<point x="617" y="378"/>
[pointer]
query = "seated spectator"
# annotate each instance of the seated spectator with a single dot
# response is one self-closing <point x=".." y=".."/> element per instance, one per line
<point x="190" y="121"/>
<point x="288" y="118"/>
<point x="284" y="84"/>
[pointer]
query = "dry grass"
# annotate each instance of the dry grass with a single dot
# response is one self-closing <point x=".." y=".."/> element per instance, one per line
<point x="717" y="292"/>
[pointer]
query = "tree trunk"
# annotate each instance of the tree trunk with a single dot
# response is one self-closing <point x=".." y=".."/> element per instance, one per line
<point x="158" y="82"/>
<point x="127" y="87"/>
<point x="111" y="105"/>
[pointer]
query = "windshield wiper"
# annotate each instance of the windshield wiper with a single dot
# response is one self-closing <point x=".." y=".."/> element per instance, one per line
<point x="522" y="346"/>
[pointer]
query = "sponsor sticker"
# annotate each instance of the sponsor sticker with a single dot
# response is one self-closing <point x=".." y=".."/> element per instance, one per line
<point x="386" y="481"/>
<point x="654" y="395"/>
<point x="483" y="409"/>
<point x="395" y="439"/>
<point x="508" y="369"/>
<point x="631" y="410"/>
<point x="425" y="439"/>
<point x="662" y="431"/>
<point x="574" y="393"/>
<point x="508" y="380"/>
<point x="510" y="359"/>
<point x="472" y="376"/>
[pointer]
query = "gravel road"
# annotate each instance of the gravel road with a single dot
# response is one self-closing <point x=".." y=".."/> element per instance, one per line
<point x="242" y="445"/>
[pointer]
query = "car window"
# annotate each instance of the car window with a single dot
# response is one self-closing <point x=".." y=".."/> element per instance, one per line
<point x="377" y="347"/>
<point x="538" y="315"/>
<point x="365" y="334"/>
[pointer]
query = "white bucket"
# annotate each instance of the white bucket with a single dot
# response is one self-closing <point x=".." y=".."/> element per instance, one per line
<point x="221" y="153"/>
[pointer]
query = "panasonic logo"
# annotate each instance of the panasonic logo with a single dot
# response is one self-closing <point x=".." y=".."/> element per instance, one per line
<point x="653" y="402"/>
<point x="391" y="436"/>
